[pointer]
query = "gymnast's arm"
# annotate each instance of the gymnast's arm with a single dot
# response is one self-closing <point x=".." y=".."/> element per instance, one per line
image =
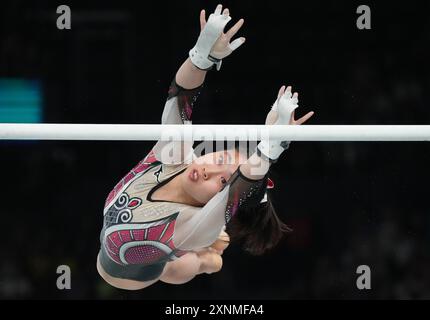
<point x="246" y="187"/>
<point x="212" y="46"/>
<point x="183" y="93"/>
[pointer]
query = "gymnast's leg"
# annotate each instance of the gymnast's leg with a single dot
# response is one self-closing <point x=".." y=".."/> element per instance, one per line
<point x="207" y="260"/>
<point x="181" y="270"/>
<point x="191" y="264"/>
<point x="124" y="284"/>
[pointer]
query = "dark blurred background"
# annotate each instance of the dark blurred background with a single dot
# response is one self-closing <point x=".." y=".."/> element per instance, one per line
<point x="349" y="203"/>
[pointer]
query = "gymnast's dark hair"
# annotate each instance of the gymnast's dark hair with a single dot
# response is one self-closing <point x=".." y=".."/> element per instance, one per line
<point x="257" y="228"/>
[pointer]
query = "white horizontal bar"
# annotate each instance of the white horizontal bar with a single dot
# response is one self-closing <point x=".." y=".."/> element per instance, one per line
<point x="153" y="132"/>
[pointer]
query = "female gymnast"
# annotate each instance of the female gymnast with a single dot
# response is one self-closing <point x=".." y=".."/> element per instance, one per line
<point x="166" y="219"/>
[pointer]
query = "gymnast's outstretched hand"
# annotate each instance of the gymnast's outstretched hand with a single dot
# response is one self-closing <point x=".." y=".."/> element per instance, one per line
<point x="283" y="109"/>
<point x="213" y="44"/>
<point x="281" y="113"/>
<point x="222" y="47"/>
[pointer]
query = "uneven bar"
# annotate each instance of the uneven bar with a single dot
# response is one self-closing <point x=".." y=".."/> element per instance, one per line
<point x="154" y="132"/>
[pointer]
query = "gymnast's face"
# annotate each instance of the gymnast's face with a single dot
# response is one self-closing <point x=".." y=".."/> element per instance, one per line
<point x="207" y="174"/>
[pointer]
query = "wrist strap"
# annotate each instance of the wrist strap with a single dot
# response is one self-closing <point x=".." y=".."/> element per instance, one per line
<point x="208" y="69"/>
<point x="263" y="156"/>
<point x="216" y="61"/>
<point x="213" y="59"/>
<point x="284" y="144"/>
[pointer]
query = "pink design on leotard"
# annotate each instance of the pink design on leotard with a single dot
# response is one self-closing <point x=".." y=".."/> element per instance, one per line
<point x="122" y="210"/>
<point x="140" y="167"/>
<point x="143" y="244"/>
